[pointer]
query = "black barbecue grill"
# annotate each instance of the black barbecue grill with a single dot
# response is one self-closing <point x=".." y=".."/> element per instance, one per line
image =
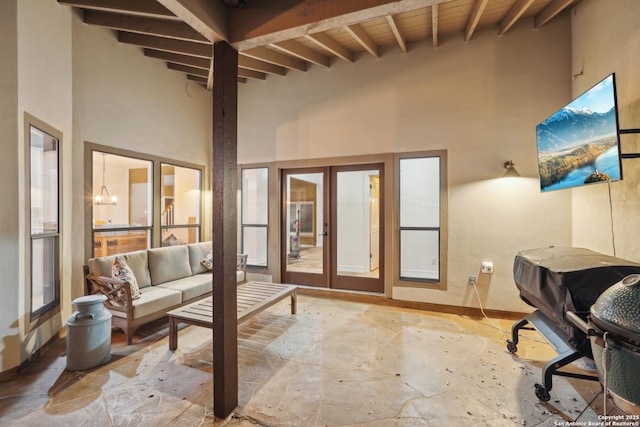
<point x="557" y="280"/>
<point x="614" y="331"/>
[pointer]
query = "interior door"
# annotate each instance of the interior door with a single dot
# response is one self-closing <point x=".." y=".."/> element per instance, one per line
<point x="304" y="241"/>
<point x="357" y="228"/>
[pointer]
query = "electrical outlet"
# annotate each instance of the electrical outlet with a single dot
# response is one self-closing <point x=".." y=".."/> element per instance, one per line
<point x="472" y="280"/>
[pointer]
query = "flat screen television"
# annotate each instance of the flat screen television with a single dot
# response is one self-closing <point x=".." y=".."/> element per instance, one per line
<point x="580" y="144"/>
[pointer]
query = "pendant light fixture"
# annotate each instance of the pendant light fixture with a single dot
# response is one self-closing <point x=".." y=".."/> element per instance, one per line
<point x="104" y="198"/>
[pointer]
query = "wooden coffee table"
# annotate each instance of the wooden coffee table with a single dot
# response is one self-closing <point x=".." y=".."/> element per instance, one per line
<point x="253" y="297"/>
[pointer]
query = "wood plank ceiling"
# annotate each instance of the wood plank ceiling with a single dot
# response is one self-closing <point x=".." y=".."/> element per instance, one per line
<point x="277" y="37"/>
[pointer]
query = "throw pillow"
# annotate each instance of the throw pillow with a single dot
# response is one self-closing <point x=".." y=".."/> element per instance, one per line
<point x="121" y="271"/>
<point x="207" y="260"/>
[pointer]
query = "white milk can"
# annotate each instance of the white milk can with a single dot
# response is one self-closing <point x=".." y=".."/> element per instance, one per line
<point x="88" y="333"/>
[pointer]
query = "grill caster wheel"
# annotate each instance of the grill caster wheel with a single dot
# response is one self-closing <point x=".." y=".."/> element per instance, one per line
<point x="511" y="346"/>
<point x="542" y="393"/>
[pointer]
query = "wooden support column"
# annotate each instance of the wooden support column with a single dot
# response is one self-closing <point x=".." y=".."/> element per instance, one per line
<point x="224" y="176"/>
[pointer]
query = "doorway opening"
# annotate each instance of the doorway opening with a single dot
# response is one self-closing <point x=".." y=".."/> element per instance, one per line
<point x="332" y="227"/>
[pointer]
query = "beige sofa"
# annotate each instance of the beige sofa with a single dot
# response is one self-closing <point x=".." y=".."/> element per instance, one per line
<point x="168" y="277"/>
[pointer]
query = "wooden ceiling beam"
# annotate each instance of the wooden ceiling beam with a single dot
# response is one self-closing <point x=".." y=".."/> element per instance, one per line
<point x="176" y="58"/>
<point x="197" y="79"/>
<point x="301" y="51"/>
<point x="262" y="22"/>
<point x="550" y="12"/>
<point x="142" y="25"/>
<point x="397" y="33"/>
<point x="276" y="58"/>
<point x="168" y="45"/>
<point x="203" y="81"/>
<point x="148" y="8"/>
<point x="261" y="66"/>
<point x="250" y="74"/>
<point x="207" y="17"/>
<point x="332" y="46"/>
<point x="194" y="71"/>
<point x="518" y="9"/>
<point x="476" y="14"/>
<point x="360" y="35"/>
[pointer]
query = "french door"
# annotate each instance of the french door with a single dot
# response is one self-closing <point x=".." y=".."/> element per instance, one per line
<point x="332" y="227"/>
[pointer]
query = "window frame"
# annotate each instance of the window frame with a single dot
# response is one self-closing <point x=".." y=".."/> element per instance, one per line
<point x="399" y="280"/>
<point x="244" y="225"/>
<point x="197" y="225"/>
<point x="155" y="238"/>
<point x="30" y="123"/>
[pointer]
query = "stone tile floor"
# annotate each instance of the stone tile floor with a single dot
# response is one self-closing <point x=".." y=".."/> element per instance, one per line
<point x="336" y="363"/>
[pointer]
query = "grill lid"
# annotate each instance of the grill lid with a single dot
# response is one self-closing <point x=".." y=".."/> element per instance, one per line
<point x="617" y="309"/>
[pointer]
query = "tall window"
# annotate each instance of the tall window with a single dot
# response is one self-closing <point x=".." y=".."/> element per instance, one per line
<point x="143" y="202"/>
<point x="255" y="209"/>
<point x="45" y="220"/>
<point x="180" y="204"/>
<point x="122" y="204"/>
<point x="420" y="225"/>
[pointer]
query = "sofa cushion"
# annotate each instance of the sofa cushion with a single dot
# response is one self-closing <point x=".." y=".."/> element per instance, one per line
<point x="153" y="300"/>
<point x="122" y="271"/>
<point x="197" y="251"/>
<point x="168" y="263"/>
<point x="137" y="261"/>
<point x="192" y="286"/>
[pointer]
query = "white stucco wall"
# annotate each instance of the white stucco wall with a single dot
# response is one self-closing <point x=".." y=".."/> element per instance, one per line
<point x="606" y="39"/>
<point x="10" y="283"/>
<point x="79" y="80"/>
<point x="123" y="99"/>
<point x="479" y="100"/>
<point x="44" y="91"/>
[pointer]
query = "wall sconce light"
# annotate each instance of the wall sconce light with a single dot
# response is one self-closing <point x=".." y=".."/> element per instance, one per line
<point x="510" y="170"/>
<point x="104" y="198"/>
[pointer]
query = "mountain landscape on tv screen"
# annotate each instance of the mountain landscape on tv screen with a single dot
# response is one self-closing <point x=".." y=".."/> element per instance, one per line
<point x="571" y="144"/>
<point x="569" y="127"/>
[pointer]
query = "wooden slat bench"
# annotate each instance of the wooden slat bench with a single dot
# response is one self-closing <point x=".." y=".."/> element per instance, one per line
<point x="253" y="297"/>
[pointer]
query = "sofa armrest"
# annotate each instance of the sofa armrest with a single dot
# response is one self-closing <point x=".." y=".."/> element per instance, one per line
<point x="118" y="292"/>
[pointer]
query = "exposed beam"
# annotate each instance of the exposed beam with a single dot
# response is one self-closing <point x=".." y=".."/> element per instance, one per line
<point x="518" y="9"/>
<point x="250" y="74"/>
<point x="276" y="58"/>
<point x="197" y="79"/>
<point x="263" y="22"/>
<point x="188" y="70"/>
<point x="393" y="24"/>
<point x="360" y="35"/>
<point x="301" y="51"/>
<point x="167" y="45"/>
<point x="148" y="8"/>
<point x="210" y="76"/>
<point x="550" y="12"/>
<point x="434" y="24"/>
<point x="476" y="14"/>
<point x="326" y="42"/>
<point x="142" y="25"/>
<point x="261" y="66"/>
<point x="207" y="17"/>
<point x="176" y="58"/>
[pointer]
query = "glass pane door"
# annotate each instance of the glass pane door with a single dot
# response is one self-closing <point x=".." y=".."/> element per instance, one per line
<point x="356" y="217"/>
<point x="305" y="227"/>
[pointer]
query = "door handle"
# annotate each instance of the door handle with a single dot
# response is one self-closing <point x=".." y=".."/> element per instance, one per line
<point x="323" y="234"/>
